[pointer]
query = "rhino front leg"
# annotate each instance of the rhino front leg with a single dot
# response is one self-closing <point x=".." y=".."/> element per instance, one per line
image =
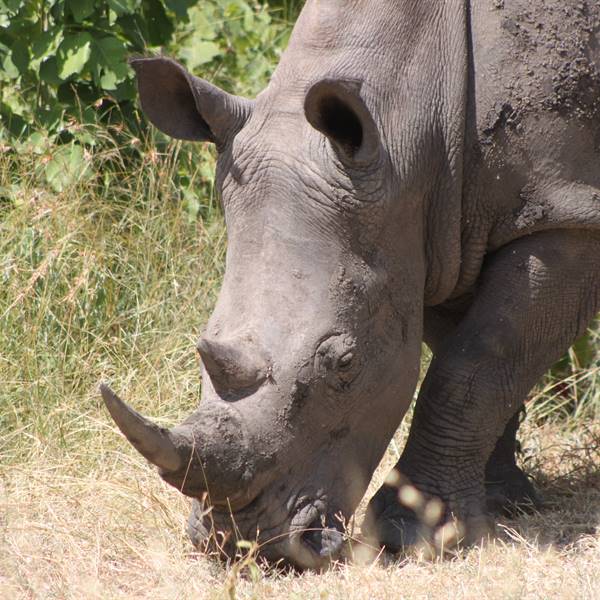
<point x="536" y="295"/>
<point x="508" y="488"/>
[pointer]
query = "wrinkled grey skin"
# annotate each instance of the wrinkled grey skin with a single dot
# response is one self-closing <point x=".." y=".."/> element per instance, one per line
<point x="421" y="169"/>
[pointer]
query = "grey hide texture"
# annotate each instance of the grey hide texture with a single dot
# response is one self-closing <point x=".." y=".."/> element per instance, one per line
<point x="415" y="170"/>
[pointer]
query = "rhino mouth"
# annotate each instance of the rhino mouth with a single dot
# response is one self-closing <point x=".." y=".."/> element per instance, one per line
<point x="315" y="533"/>
<point x="310" y="534"/>
<point x="303" y="533"/>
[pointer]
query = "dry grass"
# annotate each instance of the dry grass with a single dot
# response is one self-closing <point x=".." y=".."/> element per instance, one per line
<point x="113" y="280"/>
<point x="104" y="526"/>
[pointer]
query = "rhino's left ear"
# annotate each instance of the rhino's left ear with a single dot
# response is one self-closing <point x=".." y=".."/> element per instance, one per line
<point x="336" y="109"/>
<point x="187" y="107"/>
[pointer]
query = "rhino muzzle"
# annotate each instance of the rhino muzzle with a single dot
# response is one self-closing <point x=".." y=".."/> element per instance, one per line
<point x="209" y="453"/>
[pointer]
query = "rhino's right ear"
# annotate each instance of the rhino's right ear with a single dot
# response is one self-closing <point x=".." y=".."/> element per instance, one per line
<point x="187" y="107"/>
<point x="336" y="108"/>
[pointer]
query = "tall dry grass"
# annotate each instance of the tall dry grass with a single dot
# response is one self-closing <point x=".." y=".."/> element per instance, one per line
<point x="112" y="279"/>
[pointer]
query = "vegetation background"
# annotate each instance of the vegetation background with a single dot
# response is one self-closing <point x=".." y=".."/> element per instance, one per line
<point x="111" y="255"/>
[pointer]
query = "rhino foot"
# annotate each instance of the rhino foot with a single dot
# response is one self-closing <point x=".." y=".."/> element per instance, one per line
<point x="510" y="492"/>
<point x="395" y="527"/>
<point x="390" y="525"/>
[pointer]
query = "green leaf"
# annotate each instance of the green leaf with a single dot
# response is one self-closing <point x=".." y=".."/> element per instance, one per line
<point x="51" y="118"/>
<point x="203" y="23"/>
<point x="49" y="71"/>
<point x="199" y="52"/>
<point x="124" y="7"/>
<point x="13" y="122"/>
<point x="11" y="6"/>
<point x="180" y="7"/>
<point x="85" y="137"/>
<point x="14" y="100"/>
<point x="133" y="29"/>
<point x="19" y="54"/>
<point x="126" y="90"/>
<point x="66" y="167"/>
<point x="160" y="27"/>
<point x="109" y="62"/>
<point x="80" y="9"/>
<point x="109" y="80"/>
<point x="45" y="45"/>
<point x="37" y="143"/>
<point x="9" y="68"/>
<point x="73" y="54"/>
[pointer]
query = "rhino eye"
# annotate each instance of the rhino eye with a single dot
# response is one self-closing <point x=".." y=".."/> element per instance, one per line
<point x="336" y="360"/>
<point x="345" y="361"/>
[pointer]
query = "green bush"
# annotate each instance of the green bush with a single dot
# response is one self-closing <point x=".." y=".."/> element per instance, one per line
<point x="66" y="88"/>
<point x="65" y="61"/>
<point x="68" y="58"/>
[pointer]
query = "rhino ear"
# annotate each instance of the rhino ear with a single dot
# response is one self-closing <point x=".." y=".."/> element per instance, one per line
<point x="336" y="109"/>
<point x="187" y="107"/>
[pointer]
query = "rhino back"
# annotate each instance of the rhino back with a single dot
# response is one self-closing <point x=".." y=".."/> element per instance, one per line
<point x="533" y="57"/>
<point x="533" y="123"/>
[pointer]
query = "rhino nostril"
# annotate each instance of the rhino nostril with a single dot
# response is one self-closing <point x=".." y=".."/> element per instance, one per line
<point x="324" y="541"/>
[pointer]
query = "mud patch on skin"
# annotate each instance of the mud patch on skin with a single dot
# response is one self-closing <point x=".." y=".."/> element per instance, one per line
<point x="532" y="211"/>
<point x="550" y="62"/>
<point x="502" y="115"/>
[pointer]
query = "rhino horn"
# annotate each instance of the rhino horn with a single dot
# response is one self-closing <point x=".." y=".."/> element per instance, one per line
<point x="155" y="443"/>
<point x="233" y="367"/>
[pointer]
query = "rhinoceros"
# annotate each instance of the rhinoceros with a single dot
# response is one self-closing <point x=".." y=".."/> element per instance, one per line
<point x="415" y="171"/>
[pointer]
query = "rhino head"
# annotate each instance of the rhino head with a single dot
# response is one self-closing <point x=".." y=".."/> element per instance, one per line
<point x="312" y="353"/>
